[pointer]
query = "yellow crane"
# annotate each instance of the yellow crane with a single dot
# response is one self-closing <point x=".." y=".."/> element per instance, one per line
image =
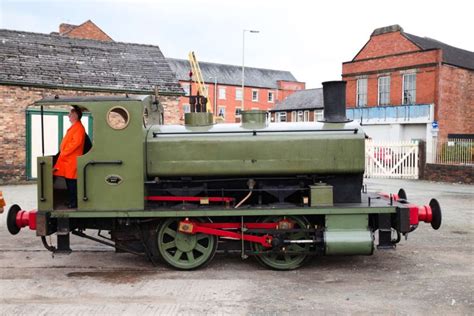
<point x="197" y="74"/>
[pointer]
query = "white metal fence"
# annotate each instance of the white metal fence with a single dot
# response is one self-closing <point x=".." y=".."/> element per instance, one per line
<point x="454" y="151"/>
<point x="397" y="160"/>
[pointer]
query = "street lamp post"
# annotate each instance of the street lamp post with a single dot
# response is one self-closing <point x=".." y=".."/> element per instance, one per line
<point x="243" y="65"/>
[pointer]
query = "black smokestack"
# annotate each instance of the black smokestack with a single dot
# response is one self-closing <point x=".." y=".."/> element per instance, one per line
<point x="334" y="93"/>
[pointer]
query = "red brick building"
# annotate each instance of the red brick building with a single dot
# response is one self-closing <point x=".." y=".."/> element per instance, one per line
<point x="34" y="66"/>
<point x="263" y="87"/>
<point x="397" y="69"/>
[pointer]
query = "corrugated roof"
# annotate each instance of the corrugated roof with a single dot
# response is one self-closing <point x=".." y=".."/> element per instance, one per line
<point x="40" y="59"/>
<point x="231" y="74"/>
<point x="451" y="55"/>
<point x="302" y="100"/>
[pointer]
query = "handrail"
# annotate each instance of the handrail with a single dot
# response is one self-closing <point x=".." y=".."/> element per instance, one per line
<point x="42" y="198"/>
<point x="254" y="132"/>
<point x="93" y="163"/>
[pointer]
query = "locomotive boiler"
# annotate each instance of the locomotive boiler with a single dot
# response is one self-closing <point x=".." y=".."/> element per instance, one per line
<point x="279" y="192"/>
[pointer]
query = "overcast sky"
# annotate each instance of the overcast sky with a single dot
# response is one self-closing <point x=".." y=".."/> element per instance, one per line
<point x="309" y="38"/>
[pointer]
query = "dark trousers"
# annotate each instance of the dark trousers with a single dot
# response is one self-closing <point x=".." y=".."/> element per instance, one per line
<point x="71" y="185"/>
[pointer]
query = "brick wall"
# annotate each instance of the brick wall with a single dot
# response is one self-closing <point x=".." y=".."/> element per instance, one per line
<point x="386" y="44"/>
<point x="13" y="101"/>
<point x="286" y="88"/>
<point x="425" y="86"/>
<point x="388" y="63"/>
<point x="456" y="105"/>
<point x="86" y="30"/>
<point x="448" y="173"/>
<point x="450" y="88"/>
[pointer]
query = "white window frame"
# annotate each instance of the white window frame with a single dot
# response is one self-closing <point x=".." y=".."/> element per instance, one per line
<point x="257" y="95"/>
<point x="318" y="115"/>
<point x="280" y="115"/>
<point x="306" y="116"/>
<point x="186" y="108"/>
<point x="413" y="97"/>
<point x="358" y="94"/>
<point x="272" y="98"/>
<point x="186" y="87"/>
<point x="223" y="107"/>
<point x="237" y="94"/>
<point x="222" y="93"/>
<point x="300" y="116"/>
<point x="381" y="85"/>
<point x="293" y="116"/>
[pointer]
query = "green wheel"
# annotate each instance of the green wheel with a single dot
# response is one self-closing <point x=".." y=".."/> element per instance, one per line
<point x="184" y="251"/>
<point x="282" y="260"/>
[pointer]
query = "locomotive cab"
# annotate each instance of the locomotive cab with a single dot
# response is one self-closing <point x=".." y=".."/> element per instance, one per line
<point x="110" y="175"/>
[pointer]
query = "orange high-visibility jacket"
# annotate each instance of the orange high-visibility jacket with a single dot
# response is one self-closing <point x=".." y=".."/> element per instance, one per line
<point x="72" y="146"/>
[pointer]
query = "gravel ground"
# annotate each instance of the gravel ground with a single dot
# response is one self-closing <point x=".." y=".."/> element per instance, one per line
<point x="430" y="273"/>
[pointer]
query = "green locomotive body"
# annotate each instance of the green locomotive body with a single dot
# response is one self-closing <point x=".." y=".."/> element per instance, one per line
<point x="232" y="150"/>
<point x="277" y="191"/>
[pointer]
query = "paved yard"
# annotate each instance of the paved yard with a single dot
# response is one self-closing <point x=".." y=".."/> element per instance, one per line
<point x="431" y="273"/>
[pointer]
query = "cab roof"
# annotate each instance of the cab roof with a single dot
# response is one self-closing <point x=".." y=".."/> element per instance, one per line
<point x="88" y="99"/>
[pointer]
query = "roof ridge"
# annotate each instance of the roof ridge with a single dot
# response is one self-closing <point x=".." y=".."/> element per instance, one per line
<point x="221" y="64"/>
<point x="56" y="36"/>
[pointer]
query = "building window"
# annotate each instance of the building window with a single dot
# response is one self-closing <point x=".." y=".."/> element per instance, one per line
<point x="221" y="112"/>
<point x="409" y="89"/>
<point x="186" y="108"/>
<point x="306" y="116"/>
<point x="361" y="92"/>
<point x="255" y="95"/>
<point x="281" y="116"/>
<point x="318" y="115"/>
<point x="300" y="116"/>
<point x="271" y="96"/>
<point x="238" y="112"/>
<point x="384" y="90"/>
<point x="222" y="91"/>
<point x="238" y="93"/>
<point x="293" y="116"/>
<point x="186" y="89"/>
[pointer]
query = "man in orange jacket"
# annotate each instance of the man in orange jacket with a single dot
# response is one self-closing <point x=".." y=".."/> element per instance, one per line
<point x="72" y="146"/>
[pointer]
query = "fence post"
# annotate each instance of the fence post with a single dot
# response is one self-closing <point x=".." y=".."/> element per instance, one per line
<point x="422" y="158"/>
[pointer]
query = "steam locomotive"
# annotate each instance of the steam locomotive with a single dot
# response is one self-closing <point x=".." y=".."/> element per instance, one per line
<point x="279" y="192"/>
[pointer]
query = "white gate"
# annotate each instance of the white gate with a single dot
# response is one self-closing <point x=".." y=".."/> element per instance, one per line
<point x="396" y="160"/>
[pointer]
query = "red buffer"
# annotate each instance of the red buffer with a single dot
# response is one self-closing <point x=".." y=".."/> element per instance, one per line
<point x="18" y="218"/>
<point x="418" y="213"/>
